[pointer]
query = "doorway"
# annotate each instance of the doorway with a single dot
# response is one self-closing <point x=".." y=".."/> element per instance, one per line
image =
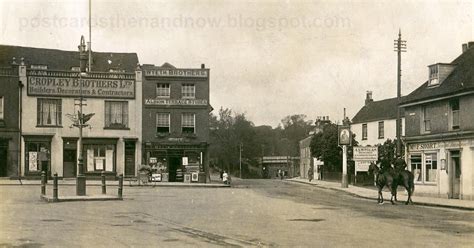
<point x="129" y="158"/>
<point x="174" y="169"/>
<point x="69" y="163"/>
<point x="3" y="158"/>
<point x="454" y="174"/>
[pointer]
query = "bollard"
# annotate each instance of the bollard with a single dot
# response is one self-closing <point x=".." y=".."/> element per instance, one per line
<point x="104" y="190"/>
<point x="43" y="183"/>
<point x="120" y="186"/>
<point x="55" y="187"/>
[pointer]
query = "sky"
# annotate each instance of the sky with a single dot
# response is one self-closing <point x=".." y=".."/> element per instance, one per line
<point x="267" y="59"/>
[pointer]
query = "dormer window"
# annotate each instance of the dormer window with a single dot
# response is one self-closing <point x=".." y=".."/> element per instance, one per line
<point x="39" y="67"/>
<point x="434" y="76"/>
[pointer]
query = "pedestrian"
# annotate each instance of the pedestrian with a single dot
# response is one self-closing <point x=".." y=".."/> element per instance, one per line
<point x="225" y="178"/>
<point x="310" y="173"/>
<point x="280" y="172"/>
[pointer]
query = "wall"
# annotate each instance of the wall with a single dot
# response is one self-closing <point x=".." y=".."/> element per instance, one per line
<point x="373" y="132"/>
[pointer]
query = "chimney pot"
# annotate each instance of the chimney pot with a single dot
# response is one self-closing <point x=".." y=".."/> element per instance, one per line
<point x="368" y="97"/>
<point x="464" y="47"/>
<point x="203" y="66"/>
<point x="470" y="44"/>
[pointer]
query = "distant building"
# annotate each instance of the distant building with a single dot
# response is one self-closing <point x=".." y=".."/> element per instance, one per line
<point x="272" y="164"/>
<point x="176" y="121"/>
<point x="440" y="129"/>
<point x="376" y="121"/>
<point x="49" y="101"/>
<point x="306" y="159"/>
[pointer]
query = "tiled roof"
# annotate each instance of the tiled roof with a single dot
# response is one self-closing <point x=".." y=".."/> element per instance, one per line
<point x="378" y="110"/>
<point x="460" y="80"/>
<point x="65" y="60"/>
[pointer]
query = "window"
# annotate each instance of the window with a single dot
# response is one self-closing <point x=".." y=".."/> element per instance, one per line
<point x="433" y="79"/>
<point x="163" y="90"/>
<point x="415" y="163"/>
<point x="426" y="119"/>
<point x="100" y="157"/>
<point x="1" y="108"/>
<point x="431" y="171"/>
<point x="116" y="114"/>
<point x="364" y="131"/>
<point x="188" y="91"/>
<point x="38" y="156"/>
<point x="162" y="122"/>
<point x="425" y="167"/>
<point x="49" y="112"/>
<point x="187" y="122"/>
<point x="454" y="114"/>
<point x="381" y="130"/>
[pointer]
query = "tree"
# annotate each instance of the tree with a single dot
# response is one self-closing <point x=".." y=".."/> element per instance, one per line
<point x="387" y="151"/>
<point x="295" y="128"/>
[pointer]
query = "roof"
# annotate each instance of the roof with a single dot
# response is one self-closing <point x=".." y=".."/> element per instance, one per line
<point x="378" y="110"/>
<point x="460" y="80"/>
<point x="64" y="60"/>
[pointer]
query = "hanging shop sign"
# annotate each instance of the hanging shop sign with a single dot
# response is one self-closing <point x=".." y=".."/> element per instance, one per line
<point x="91" y="87"/>
<point x="193" y="73"/>
<point x="192" y="102"/>
<point x="344" y="135"/>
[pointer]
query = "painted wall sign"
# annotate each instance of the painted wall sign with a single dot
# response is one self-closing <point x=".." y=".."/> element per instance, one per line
<point x="196" y="102"/>
<point x="422" y="146"/>
<point x="91" y="87"/>
<point x="194" y="73"/>
<point x="365" y="153"/>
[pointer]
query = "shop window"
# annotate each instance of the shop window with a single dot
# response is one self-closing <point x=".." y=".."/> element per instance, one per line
<point x="364" y="131"/>
<point x="100" y="157"/>
<point x="381" y="130"/>
<point x="49" y="112"/>
<point x="188" y="91"/>
<point x="424" y="167"/>
<point x="431" y="168"/>
<point x="1" y="107"/>
<point x="415" y="163"/>
<point x="454" y="114"/>
<point x="163" y="90"/>
<point x="116" y="114"/>
<point x="37" y="156"/>
<point x="187" y="122"/>
<point x="162" y="122"/>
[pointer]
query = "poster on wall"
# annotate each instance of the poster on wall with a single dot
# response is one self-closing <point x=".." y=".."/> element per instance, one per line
<point x="32" y="161"/>
<point x="185" y="160"/>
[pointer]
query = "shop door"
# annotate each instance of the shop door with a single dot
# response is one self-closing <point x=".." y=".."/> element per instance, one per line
<point x="3" y="158"/>
<point x="174" y="165"/>
<point x="454" y="174"/>
<point x="69" y="163"/>
<point x="129" y="159"/>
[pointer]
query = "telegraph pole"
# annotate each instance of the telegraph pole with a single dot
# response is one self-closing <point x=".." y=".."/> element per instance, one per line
<point x="240" y="160"/>
<point x="400" y="46"/>
<point x="81" y="178"/>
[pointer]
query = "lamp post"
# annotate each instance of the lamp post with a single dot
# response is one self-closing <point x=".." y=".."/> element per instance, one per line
<point x="81" y="178"/>
<point x="240" y="160"/>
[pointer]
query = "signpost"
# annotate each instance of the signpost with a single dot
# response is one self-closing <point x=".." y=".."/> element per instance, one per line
<point x="363" y="156"/>
<point x="344" y="140"/>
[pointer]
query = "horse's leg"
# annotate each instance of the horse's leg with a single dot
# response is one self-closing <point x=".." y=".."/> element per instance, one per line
<point x="394" y="194"/>
<point x="380" y="197"/>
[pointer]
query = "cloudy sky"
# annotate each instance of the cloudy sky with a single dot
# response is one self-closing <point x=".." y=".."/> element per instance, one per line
<point x="268" y="59"/>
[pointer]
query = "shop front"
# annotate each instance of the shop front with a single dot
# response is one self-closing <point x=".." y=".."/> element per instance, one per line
<point x="176" y="163"/>
<point x="442" y="168"/>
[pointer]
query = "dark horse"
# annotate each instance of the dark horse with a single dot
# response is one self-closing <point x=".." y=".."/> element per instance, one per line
<point x="391" y="179"/>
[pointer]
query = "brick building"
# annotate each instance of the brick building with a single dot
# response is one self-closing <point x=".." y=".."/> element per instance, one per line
<point x="176" y="121"/>
<point x="439" y="133"/>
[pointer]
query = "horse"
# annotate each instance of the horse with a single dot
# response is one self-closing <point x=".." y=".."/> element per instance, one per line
<point x="406" y="179"/>
<point x="383" y="179"/>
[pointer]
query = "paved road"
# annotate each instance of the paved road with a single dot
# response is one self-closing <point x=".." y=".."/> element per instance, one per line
<point x="252" y="213"/>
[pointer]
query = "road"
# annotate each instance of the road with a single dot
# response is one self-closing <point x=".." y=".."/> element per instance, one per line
<point x="261" y="213"/>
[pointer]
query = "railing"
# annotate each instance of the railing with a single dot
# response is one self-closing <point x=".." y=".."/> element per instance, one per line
<point x="75" y="74"/>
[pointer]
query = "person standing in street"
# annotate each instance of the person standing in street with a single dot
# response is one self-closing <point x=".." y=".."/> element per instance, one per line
<point x="225" y="177"/>
<point x="310" y="173"/>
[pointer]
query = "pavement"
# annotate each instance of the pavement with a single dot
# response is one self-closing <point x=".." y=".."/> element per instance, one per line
<point x="371" y="193"/>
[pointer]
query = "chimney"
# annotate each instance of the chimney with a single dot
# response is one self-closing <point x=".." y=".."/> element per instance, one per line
<point x="470" y="44"/>
<point x="368" y="97"/>
<point x="203" y="66"/>
<point x="82" y="54"/>
<point x="464" y="47"/>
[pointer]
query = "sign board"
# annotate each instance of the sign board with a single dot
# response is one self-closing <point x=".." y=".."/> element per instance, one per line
<point x="422" y="146"/>
<point x="156" y="177"/>
<point x="153" y="160"/>
<point x="344" y="135"/>
<point x="362" y="165"/>
<point x="91" y="87"/>
<point x="188" y="102"/>
<point x="190" y="73"/>
<point x="195" y="177"/>
<point x="365" y="153"/>
<point x="185" y="160"/>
